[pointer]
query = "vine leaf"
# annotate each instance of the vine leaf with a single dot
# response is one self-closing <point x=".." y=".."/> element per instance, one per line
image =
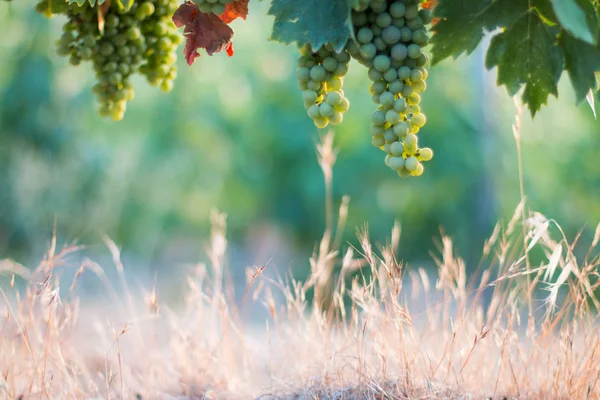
<point x="582" y="61"/>
<point x="314" y="22"/>
<point x="525" y="54"/>
<point x="573" y="18"/>
<point x="461" y="24"/>
<point x="234" y="10"/>
<point x="202" y="31"/>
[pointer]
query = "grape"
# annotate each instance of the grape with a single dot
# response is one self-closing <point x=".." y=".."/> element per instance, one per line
<point x="383" y="20"/>
<point x="425" y="154"/>
<point x="336" y="118"/>
<point x="318" y="73"/>
<point x="414" y="50"/>
<point x="410" y="143"/>
<point x="377" y="141"/>
<point x="397" y="9"/>
<point x="378" y="117"/>
<point x="326" y="110"/>
<point x="397" y="148"/>
<point x="400" y="129"/>
<point x="381" y="63"/>
<point x="418" y="120"/>
<point x="396" y="87"/>
<point x="411" y="164"/>
<point x="391" y="35"/>
<point x="387" y="99"/>
<point x="365" y="35"/>
<point x="399" y="52"/>
<point x="396" y="163"/>
<point x="392" y="117"/>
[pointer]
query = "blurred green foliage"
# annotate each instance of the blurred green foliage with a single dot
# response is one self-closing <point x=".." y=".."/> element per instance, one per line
<point x="233" y="135"/>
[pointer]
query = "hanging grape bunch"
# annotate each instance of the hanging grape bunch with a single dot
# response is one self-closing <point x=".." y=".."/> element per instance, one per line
<point x="389" y="37"/>
<point x="140" y="39"/>
<point x="321" y="77"/>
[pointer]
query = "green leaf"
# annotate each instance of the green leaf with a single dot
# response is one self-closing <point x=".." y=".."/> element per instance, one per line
<point x="573" y="18"/>
<point x="462" y="23"/>
<point x="315" y="22"/>
<point x="582" y="61"/>
<point x="526" y="54"/>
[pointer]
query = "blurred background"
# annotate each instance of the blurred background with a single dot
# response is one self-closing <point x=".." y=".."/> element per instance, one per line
<point x="233" y="135"/>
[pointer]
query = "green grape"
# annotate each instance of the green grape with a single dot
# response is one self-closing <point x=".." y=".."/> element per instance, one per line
<point x="314" y="111"/>
<point x="378" y="117"/>
<point x="397" y="9"/>
<point x="318" y="73"/>
<point x="425" y="154"/>
<point x="399" y="52"/>
<point x="333" y="98"/>
<point x="321" y="122"/>
<point x="414" y="50"/>
<point x="404" y="72"/>
<point x="400" y="129"/>
<point x="364" y="35"/>
<point x="392" y="117"/>
<point x="400" y="105"/>
<point x="391" y="35"/>
<point x="418" y="120"/>
<point x="418" y="171"/>
<point x="410" y="143"/>
<point x="397" y="149"/>
<point x="375" y="75"/>
<point x="387" y="99"/>
<point x="378" y="141"/>
<point x="381" y="63"/>
<point x="383" y="20"/>
<point x="411" y="163"/>
<point x="336" y="118"/>
<point x="389" y="136"/>
<point x="395" y="163"/>
<point x="396" y="87"/>
<point x="326" y="110"/>
<point x="390" y="75"/>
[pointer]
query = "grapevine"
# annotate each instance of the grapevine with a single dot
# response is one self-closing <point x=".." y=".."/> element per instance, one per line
<point x="389" y="39"/>
<point x="139" y="39"/>
<point x="121" y="38"/>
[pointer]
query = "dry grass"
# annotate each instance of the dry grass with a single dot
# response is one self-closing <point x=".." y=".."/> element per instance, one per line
<point x="378" y="330"/>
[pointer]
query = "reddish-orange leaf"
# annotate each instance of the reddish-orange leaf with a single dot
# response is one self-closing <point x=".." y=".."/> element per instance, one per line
<point x="235" y="9"/>
<point x="202" y="31"/>
<point x="230" y="49"/>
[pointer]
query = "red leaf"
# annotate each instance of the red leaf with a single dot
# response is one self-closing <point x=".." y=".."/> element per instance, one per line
<point x="202" y="31"/>
<point x="236" y="9"/>
<point x="230" y="49"/>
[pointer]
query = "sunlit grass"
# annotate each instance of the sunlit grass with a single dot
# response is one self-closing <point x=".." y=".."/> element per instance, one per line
<point x="377" y="328"/>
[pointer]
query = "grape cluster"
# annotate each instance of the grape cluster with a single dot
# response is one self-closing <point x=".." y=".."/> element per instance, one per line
<point x="390" y="36"/>
<point x="141" y="39"/>
<point x="321" y="77"/>
<point x="212" y="6"/>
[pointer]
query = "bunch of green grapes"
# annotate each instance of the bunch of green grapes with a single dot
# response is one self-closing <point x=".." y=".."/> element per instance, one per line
<point x="390" y="36"/>
<point x="161" y="38"/>
<point x="140" y="39"/>
<point x="212" y="6"/>
<point x="321" y="77"/>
